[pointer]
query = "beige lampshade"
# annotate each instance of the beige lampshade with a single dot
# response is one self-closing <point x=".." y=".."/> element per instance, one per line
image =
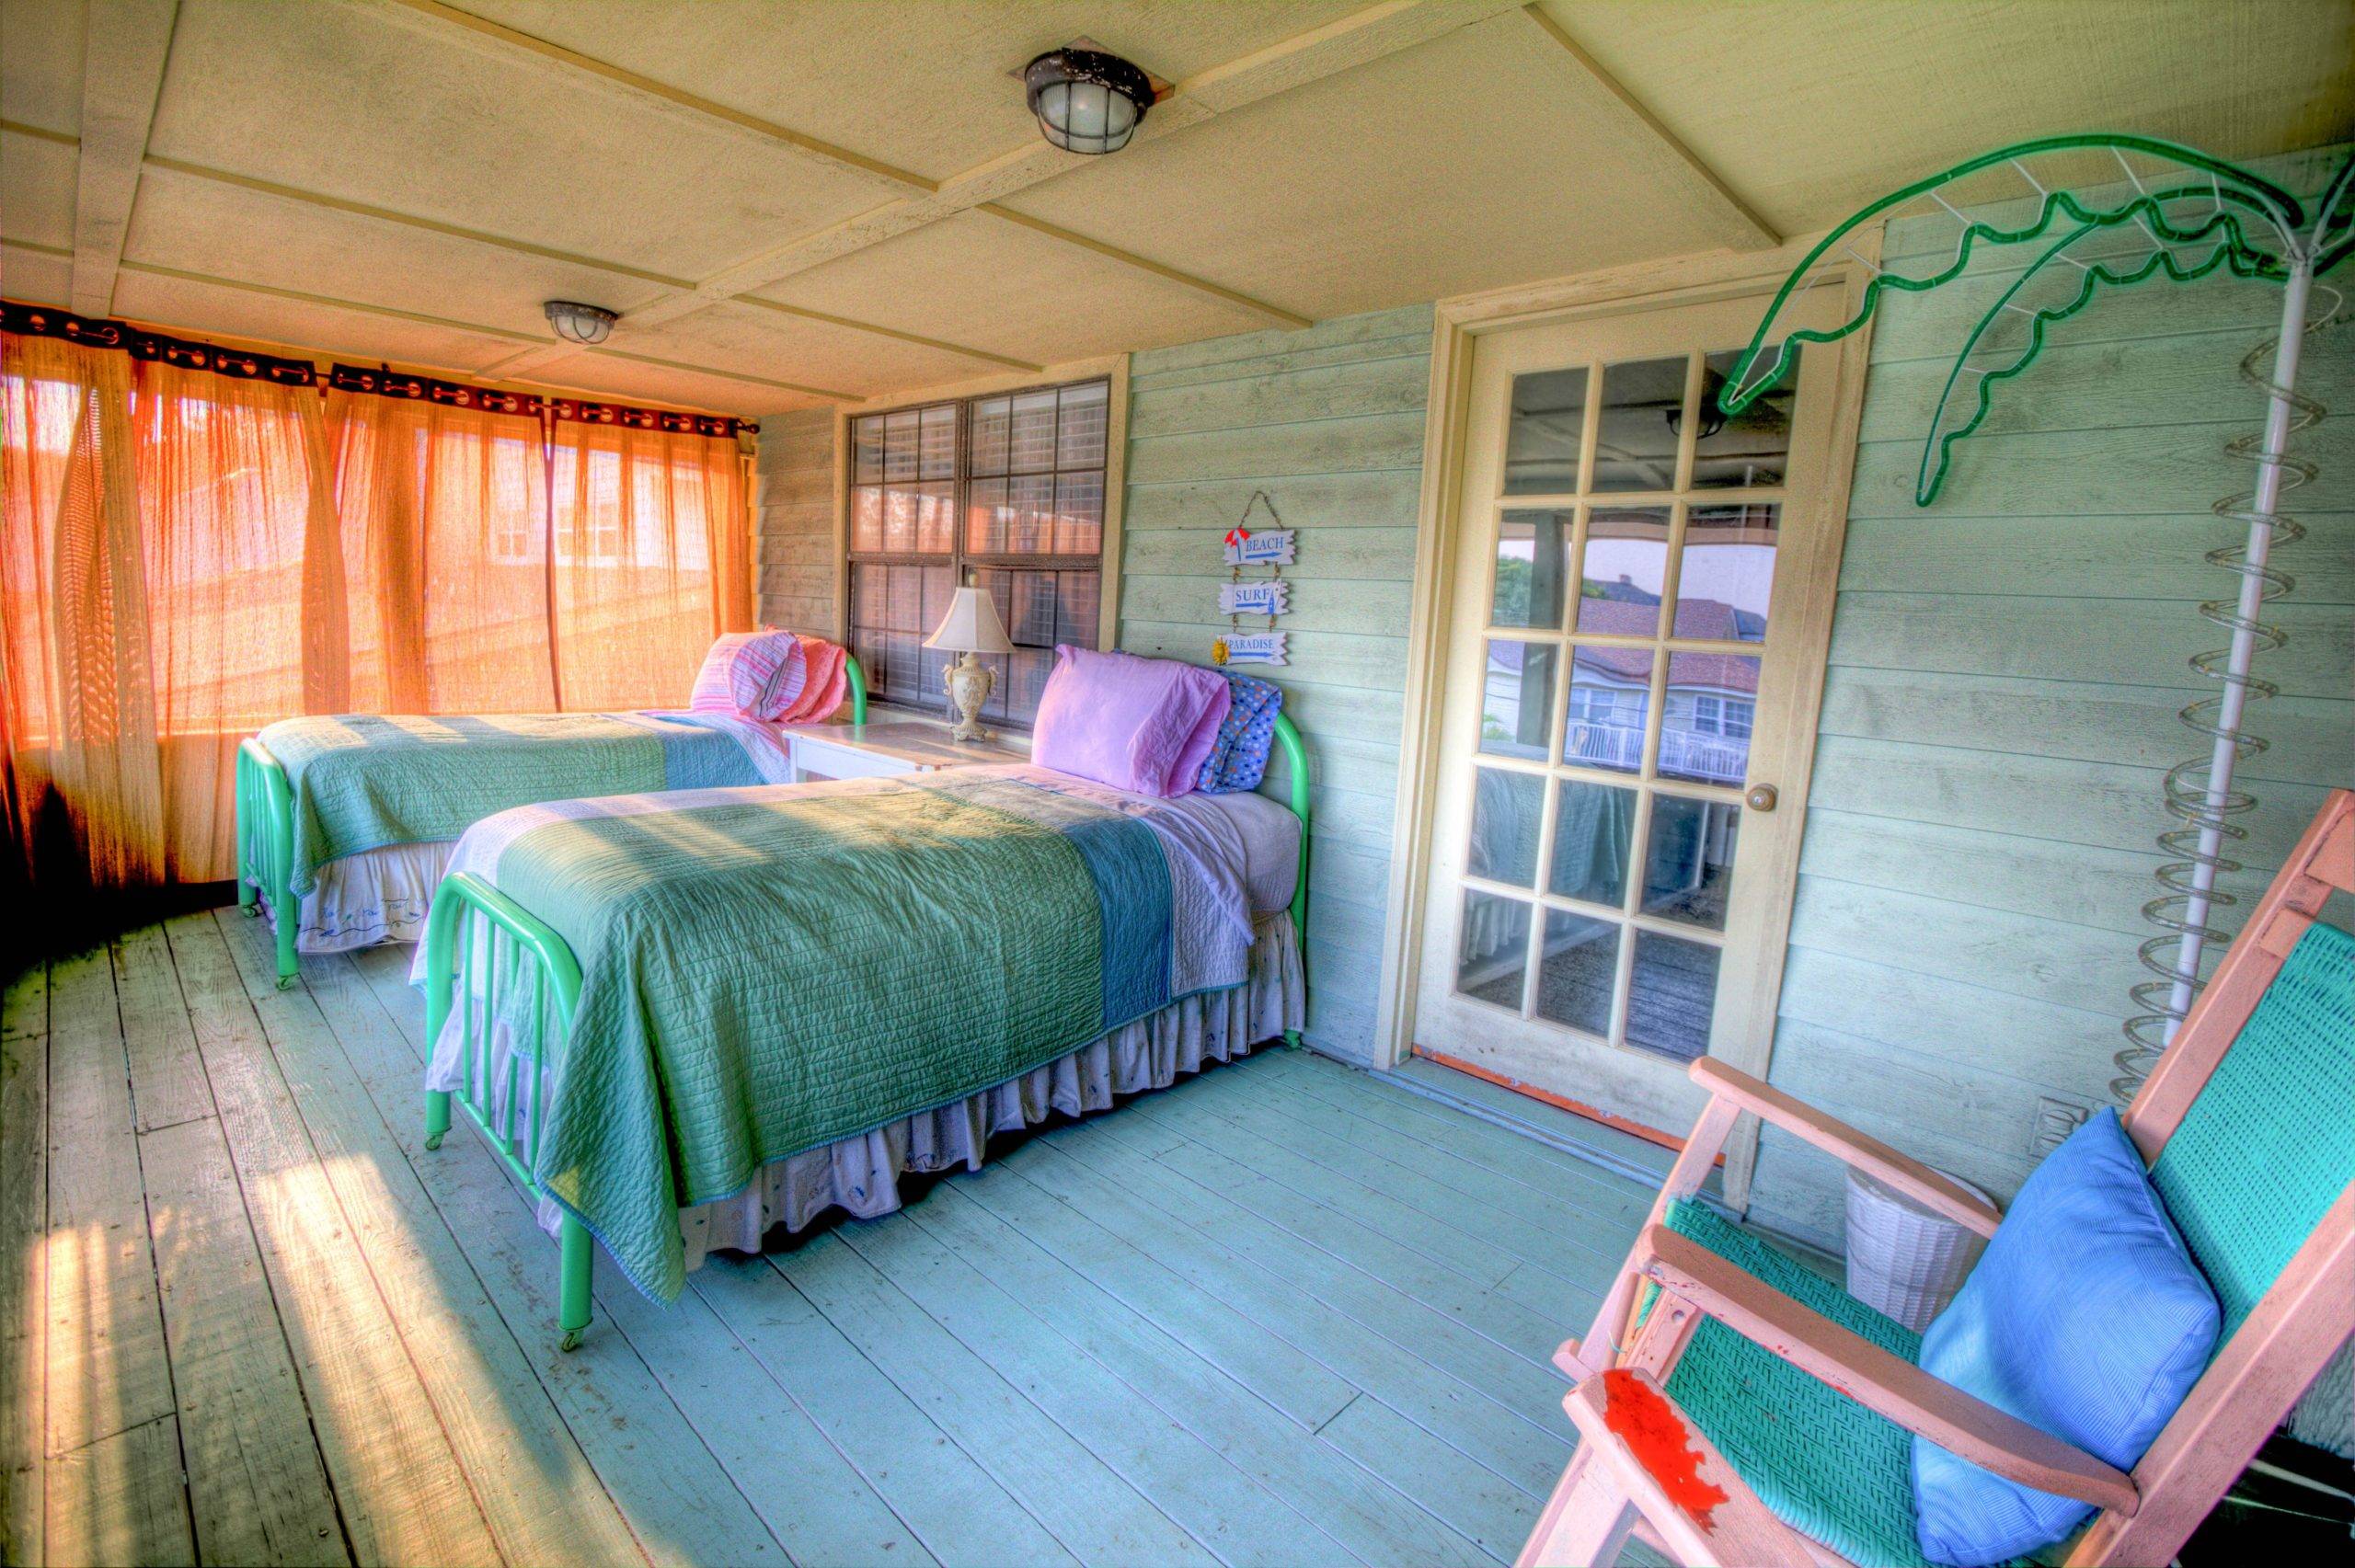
<point x="971" y="626"/>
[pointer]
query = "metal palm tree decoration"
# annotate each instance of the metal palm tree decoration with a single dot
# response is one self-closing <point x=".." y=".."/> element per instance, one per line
<point x="2179" y="216"/>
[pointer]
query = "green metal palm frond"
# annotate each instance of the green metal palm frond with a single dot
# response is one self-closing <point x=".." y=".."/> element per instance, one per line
<point x="2250" y="225"/>
<point x="2335" y="223"/>
<point x="2044" y="295"/>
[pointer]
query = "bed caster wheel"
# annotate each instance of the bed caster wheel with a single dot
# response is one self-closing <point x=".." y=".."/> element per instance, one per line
<point x="570" y="1342"/>
<point x="251" y="911"/>
<point x="432" y="1141"/>
<point x="285" y="982"/>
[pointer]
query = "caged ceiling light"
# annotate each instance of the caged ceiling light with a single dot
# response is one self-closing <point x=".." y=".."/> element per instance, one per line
<point x="1087" y="101"/>
<point x="576" y="323"/>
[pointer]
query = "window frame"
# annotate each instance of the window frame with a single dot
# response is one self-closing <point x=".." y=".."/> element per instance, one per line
<point x="961" y="563"/>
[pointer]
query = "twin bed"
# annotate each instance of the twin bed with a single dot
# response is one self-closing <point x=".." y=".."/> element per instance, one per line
<point x="686" y="1016"/>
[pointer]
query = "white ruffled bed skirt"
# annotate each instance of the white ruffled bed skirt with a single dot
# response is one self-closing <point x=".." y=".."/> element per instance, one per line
<point x="861" y="1174"/>
<point x="375" y="895"/>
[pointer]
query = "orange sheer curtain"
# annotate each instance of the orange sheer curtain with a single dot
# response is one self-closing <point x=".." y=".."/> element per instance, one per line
<point x="157" y="524"/>
<point x="186" y="556"/>
<point x="652" y="560"/>
<point x="444" y="516"/>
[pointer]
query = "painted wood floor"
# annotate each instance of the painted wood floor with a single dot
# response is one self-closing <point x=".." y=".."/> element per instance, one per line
<point x="1283" y="1314"/>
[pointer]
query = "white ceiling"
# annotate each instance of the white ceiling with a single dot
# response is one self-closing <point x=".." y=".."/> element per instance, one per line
<point x="792" y="202"/>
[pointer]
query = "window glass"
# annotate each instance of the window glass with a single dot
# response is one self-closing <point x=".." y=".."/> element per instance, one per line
<point x="1004" y="492"/>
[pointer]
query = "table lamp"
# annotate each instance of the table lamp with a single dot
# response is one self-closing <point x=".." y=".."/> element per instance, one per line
<point x="971" y="627"/>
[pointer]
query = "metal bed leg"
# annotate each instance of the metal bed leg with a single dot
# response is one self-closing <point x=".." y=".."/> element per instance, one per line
<point x="572" y="1312"/>
<point x="437" y="1116"/>
<point x="289" y="917"/>
<point x="249" y="896"/>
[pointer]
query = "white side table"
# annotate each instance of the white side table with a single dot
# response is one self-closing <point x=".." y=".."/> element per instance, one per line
<point x="885" y="747"/>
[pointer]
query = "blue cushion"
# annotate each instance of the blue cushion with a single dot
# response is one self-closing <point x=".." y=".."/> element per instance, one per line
<point x="1239" y="760"/>
<point x="2086" y="1316"/>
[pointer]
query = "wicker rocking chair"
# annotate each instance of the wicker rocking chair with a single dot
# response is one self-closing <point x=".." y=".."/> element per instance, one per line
<point x="1735" y="1407"/>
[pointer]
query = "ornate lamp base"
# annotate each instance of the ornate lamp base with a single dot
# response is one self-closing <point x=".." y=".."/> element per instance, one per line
<point x="969" y="688"/>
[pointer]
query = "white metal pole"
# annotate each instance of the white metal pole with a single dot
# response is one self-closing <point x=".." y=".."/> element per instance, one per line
<point x="2243" y="646"/>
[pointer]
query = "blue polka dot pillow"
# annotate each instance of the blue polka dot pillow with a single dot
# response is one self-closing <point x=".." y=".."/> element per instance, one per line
<point x="1239" y="760"/>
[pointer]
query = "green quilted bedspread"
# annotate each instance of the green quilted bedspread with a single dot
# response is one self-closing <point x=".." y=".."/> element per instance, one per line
<point x="765" y="975"/>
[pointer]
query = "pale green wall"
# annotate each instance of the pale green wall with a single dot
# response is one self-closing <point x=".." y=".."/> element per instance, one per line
<point x="2006" y="670"/>
<point x="1330" y="423"/>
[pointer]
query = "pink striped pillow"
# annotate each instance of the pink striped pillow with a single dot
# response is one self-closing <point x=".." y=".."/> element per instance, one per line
<point x="754" y="674"/>
<point x="822" y="690"/>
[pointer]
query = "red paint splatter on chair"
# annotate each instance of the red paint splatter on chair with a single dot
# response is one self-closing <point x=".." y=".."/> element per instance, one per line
<point x="1655" y="1435"/>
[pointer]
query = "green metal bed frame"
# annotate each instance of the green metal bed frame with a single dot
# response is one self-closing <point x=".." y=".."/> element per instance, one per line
<point x="265" y="831"/>
<point x="554" y="979"/>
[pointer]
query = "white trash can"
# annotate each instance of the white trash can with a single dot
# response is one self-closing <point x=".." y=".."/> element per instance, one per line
<point x="1904" y="1260"/>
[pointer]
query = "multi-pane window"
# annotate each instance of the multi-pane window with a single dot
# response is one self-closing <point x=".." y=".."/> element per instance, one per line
<point x="1004" y="492"/>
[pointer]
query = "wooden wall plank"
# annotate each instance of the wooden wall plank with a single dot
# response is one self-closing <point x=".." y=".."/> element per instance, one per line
<point x="2154" y="556"/>
<point x="1321" y="432"/>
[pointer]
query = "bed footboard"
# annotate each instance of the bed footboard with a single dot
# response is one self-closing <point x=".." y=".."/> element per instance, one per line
<point x="477" y="940"/>
<point x="266" y="849"/>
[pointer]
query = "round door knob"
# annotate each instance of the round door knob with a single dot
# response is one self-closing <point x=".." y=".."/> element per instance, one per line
<point x="1761" y="798"/>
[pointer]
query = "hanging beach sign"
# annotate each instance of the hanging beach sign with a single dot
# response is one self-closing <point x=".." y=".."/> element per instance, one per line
<point x="1249" y="648"/>
<point x="1268" y="547"/>
<point x="1270" y="596"/>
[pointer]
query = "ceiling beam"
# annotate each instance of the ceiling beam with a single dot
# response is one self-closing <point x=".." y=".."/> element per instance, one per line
<point x="125" y="45"/>
<point x="476" y="328"/>
<point x="550" y="253"/>
<point x="1738" y="224"/>
<point x="662" y="95"/>
<point x="1339" y="45"/>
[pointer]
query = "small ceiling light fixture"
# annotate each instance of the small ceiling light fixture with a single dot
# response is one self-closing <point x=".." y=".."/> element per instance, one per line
<point x="1086" y="100"/>
<point x="576" y="323"/>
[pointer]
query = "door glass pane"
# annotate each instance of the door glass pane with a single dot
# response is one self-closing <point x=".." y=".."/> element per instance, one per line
<point x="1643" y="408"/>
<point x="1533" y="559"/>
<point x="1688" y="868"/>
<point x="1609" y="690"/>
<point x="1625" y="567"/>
<point x="1578" y="971"/>
<point x="1753" y="448"/>
<point x="1593" y="827"/>
<point x="1705" y="729"/>
<point x="1727" y="572"/>
<point x="1671" y="996"/>
<point x="1495" y="949"/>
<point x="1505" y="811"/>
<point x="1547" y="421"/>
<point x="1517" y="703"/>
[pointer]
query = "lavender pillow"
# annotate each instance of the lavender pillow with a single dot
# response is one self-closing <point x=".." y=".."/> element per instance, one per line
<point x="1144" y="724"/>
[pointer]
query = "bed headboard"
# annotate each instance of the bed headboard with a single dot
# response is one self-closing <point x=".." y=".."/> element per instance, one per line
<point x="857" y="679"/>
<point x="1296" y="766"/>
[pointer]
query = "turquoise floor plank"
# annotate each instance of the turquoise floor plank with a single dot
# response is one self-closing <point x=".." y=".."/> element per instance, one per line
<point x="1076" y="1494"/>
<point x="1242" y="1523"/>
<point x="1370" y="1096"/>
<point x="1460" y="1414"/>
<point x="1373" y="1522"/>
<point x="1526" y="1453"/>
<point x="962" y="1515"/>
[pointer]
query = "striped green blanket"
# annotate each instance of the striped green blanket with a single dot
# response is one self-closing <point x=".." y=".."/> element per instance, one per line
<point x="767" y="971"/>
<point x="363" y="780"/>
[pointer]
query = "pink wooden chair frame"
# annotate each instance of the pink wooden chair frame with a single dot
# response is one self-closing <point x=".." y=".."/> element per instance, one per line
<point x="2145" y="1516"/>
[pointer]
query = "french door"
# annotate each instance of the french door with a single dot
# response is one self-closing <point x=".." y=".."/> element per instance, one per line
<point x="1641" y="597"/>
